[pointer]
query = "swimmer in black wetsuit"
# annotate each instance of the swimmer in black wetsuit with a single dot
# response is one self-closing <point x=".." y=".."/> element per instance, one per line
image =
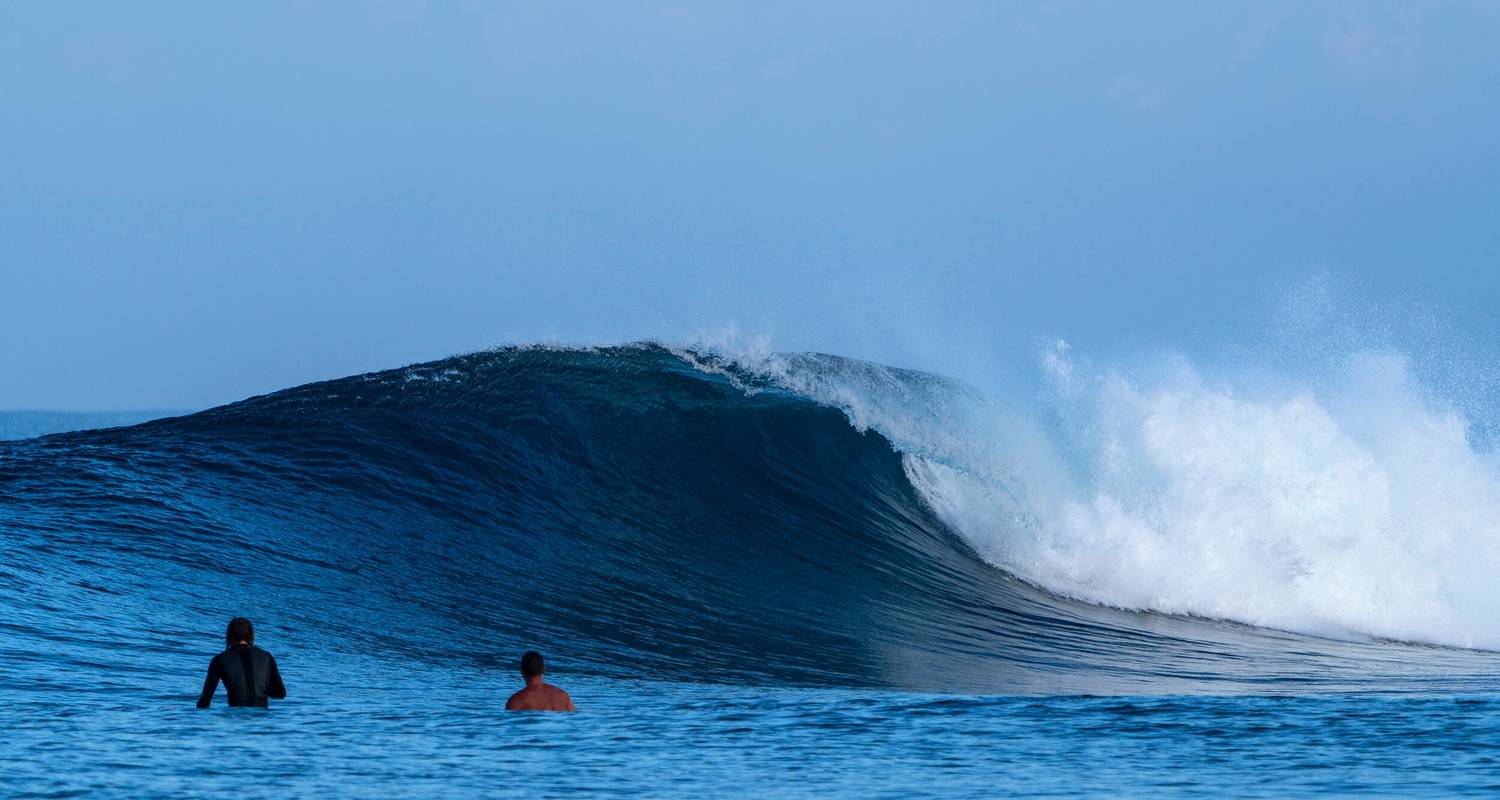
<point x="248" y="672"/>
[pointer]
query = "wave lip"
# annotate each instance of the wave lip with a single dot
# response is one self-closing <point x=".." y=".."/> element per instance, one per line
<point x="1352" y="506"/>
<point x="639" y="509"/>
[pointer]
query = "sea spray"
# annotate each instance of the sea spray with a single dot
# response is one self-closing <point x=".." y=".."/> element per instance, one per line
<point x="1353" y="505"/>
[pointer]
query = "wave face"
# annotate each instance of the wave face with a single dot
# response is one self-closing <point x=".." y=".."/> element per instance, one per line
<point x="636" y="512"/>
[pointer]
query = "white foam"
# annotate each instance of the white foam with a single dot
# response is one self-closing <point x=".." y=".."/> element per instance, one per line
<point x="1350" y="506"/>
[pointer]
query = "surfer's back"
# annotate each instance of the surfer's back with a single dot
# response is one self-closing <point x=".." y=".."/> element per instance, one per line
<point x="540" y="697"/>
<point x="248" y="673"/>
<point x="538" y="694"/>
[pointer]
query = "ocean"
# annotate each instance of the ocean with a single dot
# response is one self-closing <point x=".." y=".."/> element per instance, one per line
<point x="30" y="424"/>
<point x="770" y="575"/>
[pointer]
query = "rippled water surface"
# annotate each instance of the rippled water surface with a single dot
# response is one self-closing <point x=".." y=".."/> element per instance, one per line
<point x="746" y="595"/>
<point x="390" y="731"/>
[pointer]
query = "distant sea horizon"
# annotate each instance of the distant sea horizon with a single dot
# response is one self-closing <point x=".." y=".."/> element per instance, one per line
<point x="31" y="423"/>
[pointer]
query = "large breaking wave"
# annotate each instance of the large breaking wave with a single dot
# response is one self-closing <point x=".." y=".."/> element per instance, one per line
<point x="689" y="515"/>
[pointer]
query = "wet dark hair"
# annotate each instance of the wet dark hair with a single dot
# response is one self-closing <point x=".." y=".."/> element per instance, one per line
<point x="240" y="630"/>
<point x="531" y="664"/>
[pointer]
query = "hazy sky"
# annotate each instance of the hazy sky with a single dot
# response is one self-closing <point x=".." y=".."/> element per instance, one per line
<point x="202" y="201"/>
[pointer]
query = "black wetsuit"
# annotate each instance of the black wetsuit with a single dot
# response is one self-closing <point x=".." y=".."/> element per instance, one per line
<point x="249" y="675"/>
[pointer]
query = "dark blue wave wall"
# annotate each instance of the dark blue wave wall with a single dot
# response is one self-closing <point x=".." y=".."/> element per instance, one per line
<point x="625" y="513"/>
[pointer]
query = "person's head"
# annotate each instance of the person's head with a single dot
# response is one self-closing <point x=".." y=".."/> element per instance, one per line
<point x="531" y="665"/>
<point x="240" y="630"/>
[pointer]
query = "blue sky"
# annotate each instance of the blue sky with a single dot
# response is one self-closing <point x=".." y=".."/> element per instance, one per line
<point x="199" y="202"/>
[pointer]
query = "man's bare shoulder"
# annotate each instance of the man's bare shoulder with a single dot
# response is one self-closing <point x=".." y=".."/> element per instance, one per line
<point x="540" y="698"/>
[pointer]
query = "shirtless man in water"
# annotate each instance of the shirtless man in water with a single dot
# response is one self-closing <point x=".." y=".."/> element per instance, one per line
<point x="538" y="694"/>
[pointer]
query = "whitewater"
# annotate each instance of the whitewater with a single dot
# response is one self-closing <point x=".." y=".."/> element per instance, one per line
<point x="1355" y="508"/>
<point x="757" y="568"/>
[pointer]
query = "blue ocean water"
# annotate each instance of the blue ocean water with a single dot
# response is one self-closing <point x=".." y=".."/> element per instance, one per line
<point x="753" y="579"/>
<point x="422" y="733"/>
<point x="28" y="424"/>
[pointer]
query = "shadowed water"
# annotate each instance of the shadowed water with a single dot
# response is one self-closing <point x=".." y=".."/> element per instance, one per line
<point x="743" y="592"/>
